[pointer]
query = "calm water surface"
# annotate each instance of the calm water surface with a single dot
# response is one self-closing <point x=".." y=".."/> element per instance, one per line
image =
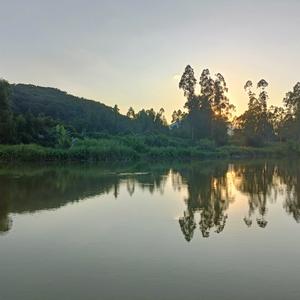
<point x="211" y="230"/>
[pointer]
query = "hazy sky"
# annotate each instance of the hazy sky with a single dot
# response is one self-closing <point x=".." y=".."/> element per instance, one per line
<point x="131" y="52"/>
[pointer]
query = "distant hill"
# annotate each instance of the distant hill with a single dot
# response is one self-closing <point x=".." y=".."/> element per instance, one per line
<point x="79" y="113"/>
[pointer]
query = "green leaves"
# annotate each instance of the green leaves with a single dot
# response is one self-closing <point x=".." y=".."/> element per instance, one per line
<point x="63" y="138"/>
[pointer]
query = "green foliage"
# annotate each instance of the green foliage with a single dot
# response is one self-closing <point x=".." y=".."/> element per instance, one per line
<point x="88" y="150"/>
<point x="188" y="82"/>
<point x="126" y="148"/>
<point x="6" y="117"/>
<point x="63" y="138"/>
<point x="47" y="124"/>
<point x="293" y="147"/>
<point x="206" y="144"/>
<point x="208" y="112"/>
<point x="290" y="125"/>
<point x="83" y="117"/>
<point x="260" y="125"/>
<point x="255" y="125"/>
<point x="81" y="114"/>
<point x="31" y="129"/>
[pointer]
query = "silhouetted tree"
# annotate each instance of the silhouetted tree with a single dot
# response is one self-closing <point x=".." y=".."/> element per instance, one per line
<point x="6" y="117"/>
<point x="177" y="116"/>
<point x="208" y="113"/>
<point x="254" y="125"/>
<point x="292" y="119"/>
<point x="188" y="82"/>
<point x="131" y="113"/>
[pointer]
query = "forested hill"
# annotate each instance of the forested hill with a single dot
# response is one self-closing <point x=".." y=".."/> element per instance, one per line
<point x="79" y="113"/>
<point x="49" y="117"/>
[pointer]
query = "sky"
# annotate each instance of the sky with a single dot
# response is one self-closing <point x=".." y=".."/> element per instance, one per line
<point x="133" y="52"/>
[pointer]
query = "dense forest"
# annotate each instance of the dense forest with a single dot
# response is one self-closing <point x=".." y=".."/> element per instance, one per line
<point x="47" y="118"/>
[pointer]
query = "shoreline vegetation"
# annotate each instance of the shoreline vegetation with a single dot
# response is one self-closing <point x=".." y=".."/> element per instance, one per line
<point x="46" y="124"/>
<point x="127" y="148"/>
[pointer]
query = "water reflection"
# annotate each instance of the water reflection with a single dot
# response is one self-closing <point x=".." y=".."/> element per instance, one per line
<point x="209" y="196"/>
<point x="5" y="220"/>
<point x="211" y="188"/>
<point x="258" y="182"/>
<point x="290" y="176"/>
<point x="263" y="182"/>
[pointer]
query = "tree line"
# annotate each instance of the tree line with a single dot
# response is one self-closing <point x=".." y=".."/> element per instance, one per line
<point x="210" y="114"/>
<point x="50" y="117"/>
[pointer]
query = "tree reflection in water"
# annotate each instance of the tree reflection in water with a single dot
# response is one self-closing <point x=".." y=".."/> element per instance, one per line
<point x="208" y="196"/>
<point x="256" y="180"/>
<point x="210" y="193"/>
<point x="289" y="174"/>
<point x="5" y="220"/>
<point x="209" y="186"/>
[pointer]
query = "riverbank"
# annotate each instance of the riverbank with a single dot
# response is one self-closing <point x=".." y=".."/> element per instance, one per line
<point x="135" y="149"/>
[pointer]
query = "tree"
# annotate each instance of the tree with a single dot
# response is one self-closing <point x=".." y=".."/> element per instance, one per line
<point x="221" y="110"/>
<point x="131" y="114"/>
<point x="263" y="95"/>
<point x="221" y="105"/>
<point x="206" y="85"/>
<point x="277" y="119"/>
<point x="150" y="121"/>
<point x="254" y="125"/>
<point x="208" y="113"/>
<point x="187" y="82"/>
<point x="6" y="116"/>
<point x="205" y="117"/>
<point x="177" y="116"/>
<point x="292" y="101"/>
<point x="292" y="118"/>
<point x="160" y="119"/>
<point x="63" y="138"/>
<point x="265" y="128"/>
<point x="116" y="109"/>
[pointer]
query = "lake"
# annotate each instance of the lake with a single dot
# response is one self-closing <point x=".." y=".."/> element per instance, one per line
<point x="203" y="230"/>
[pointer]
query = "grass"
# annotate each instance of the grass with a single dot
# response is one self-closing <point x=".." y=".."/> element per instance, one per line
<point x="134" y="148"/>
